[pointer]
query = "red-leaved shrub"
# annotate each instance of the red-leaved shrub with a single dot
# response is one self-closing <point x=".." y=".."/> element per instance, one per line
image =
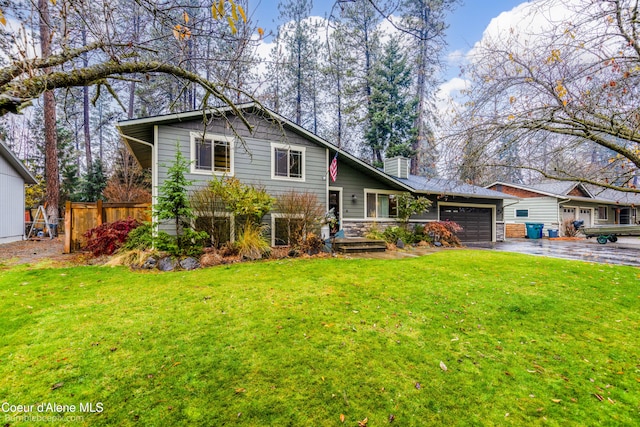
<point x="443" y="231"/>
<point x="105" y="239"/>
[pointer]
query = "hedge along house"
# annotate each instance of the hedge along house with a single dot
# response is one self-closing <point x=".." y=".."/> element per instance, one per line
<point x="553" y="203"/>
<point x="13" y="176"/>
<point x="281" y="156"/>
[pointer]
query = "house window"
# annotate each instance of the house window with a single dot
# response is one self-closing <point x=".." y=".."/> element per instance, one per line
<point x="522" y="213"/>
<point x="603" y="212"/>
<point x="287" y="162"/>
<point x="381" y="205"/>
<point x="211" y="154"/>
<point x="219" y="227"/>
<point x="284" y="228"/>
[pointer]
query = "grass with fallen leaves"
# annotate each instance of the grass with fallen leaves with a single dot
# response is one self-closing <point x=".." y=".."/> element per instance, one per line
<point x="454" y="338"/>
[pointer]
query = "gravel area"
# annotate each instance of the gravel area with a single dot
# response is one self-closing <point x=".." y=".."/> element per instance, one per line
<point x="34" y="251"/>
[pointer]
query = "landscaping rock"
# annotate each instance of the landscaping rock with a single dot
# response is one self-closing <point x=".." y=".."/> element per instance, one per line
<point x="400" y="244"/>
<point x="189" y="263"/>
<point x="167" y="264"/>
<point x="150" y="263"/>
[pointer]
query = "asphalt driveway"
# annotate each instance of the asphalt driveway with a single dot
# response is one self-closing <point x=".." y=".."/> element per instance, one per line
<point x="626" y="251"/>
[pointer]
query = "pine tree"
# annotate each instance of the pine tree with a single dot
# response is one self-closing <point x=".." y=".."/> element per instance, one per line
<point x="392" y="112"/>
<point x="94" y="182"/>
<point x="173" y="199"/>
<point x="423" y="23"/>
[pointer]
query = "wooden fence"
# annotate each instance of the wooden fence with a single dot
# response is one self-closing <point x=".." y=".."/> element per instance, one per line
<point x="80" y="217"/>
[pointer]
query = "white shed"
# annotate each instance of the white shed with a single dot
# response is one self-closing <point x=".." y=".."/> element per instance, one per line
<point x="13" y="176"/>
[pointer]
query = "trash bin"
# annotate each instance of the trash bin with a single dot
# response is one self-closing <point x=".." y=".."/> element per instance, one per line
<point x="534" y="230"/>
<point x="553" y="233"/>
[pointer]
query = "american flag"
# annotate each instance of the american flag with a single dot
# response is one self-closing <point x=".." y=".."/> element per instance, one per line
<point x="333" y="168"/>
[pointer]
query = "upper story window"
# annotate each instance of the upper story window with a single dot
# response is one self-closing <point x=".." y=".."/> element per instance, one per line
<point x="287" y="162"/>
<point x="211" y="154"/>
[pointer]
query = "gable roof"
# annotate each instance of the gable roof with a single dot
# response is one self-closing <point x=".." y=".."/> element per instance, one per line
<point x="564" y="189"/>
<point x="138" y="135"/>
<point x="17" y="164"/>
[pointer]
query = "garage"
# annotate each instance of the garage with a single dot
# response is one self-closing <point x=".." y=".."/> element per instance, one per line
<point x="476" y="222"/>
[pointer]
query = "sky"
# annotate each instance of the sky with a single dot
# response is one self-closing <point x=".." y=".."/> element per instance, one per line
<point x="466" y="23"/>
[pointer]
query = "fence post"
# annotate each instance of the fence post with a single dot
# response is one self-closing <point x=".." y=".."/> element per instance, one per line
<point x="99" y="208"/>
<point x="67" y="227"/>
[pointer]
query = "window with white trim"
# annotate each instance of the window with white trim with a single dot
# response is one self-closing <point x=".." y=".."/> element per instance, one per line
<point x="283" y="226"/>
<point x="603" y="212"/>
<point x="287" y="162"/>
<point x="381" y="205"/>
<point x="211" y="154"/>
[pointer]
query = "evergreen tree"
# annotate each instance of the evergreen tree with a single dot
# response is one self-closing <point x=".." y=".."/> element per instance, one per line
<point x="360" y="23"/>
<point x="173" y="199"/>
<point x="423" y="23"/>
<point x="94" y="182"/>
<point x="392" y="112"/>
<point x="173" y="204"/>
<point x="70" y="184"/>
<point x="299" y="44"/>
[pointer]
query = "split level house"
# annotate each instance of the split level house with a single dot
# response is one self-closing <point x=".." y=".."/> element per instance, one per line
<point x="555" y="202"/>
<point x="280" y="156"/>
<point x="13" y="176"/>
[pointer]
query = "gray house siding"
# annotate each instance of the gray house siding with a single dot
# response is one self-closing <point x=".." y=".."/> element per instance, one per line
<point x="252" y="163"/>
<point x="154" y="142"/>
<point x="11" y="203"/>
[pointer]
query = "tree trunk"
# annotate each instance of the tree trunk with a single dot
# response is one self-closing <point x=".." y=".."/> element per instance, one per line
<point x="50" y="135"/>
<point x="85" y="109"/>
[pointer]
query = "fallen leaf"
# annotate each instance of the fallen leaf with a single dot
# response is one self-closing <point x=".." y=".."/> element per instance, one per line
<point x="391" y="418"/>
<point x="418" y="386"/>
<point x="342" y="418"/>
<point x="600" y="398"/>
<point x="443" y="366"/>
<point x="56" y="386"/>
<point x="363" y="423"/>
<point x="556" y="400"/>
<point x="241" y="390"/>
<point x="613" y="402"/>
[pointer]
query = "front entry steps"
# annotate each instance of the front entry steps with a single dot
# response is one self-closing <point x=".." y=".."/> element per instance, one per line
<point x="359" y="245"/>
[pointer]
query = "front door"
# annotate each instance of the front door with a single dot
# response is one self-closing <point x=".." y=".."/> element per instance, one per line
<point x="334" y="203"/>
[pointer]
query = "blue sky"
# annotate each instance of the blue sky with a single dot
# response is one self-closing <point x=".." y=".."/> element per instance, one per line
<point x="466" y="23"/>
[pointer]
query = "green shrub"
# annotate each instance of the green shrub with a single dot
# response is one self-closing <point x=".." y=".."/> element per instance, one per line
<point x="140" y="238"/>
<point x="395" y="233"/>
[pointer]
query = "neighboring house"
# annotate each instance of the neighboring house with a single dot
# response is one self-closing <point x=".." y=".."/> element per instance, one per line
<point x="13" y="176"/>
<point x="281" y="156"/>
<point x="553" y="203"/>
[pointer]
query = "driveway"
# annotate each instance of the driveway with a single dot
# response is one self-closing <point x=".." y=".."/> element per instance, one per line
<point x="626" y="251"/>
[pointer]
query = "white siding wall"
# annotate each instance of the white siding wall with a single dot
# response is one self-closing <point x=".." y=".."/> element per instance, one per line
<point x="541" y="210"/>
<point x="11" y="203"/>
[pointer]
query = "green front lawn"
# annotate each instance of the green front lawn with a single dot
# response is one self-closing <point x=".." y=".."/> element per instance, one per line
<point x="524" y="341"/>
